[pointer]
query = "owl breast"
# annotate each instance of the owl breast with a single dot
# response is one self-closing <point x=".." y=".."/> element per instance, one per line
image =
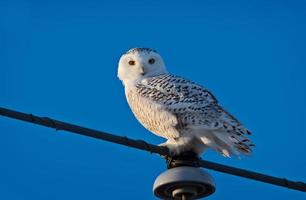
<point x="152" y="116"/>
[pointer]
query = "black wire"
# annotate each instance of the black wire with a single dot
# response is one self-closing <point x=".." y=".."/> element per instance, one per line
<point x="296" y="185"/>
<point x="140" y="144"/>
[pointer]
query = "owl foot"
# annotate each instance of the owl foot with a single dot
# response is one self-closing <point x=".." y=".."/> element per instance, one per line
<point x="180" y="158"/>
<point x="170" y="148"/>
<point x="174" y="148"/>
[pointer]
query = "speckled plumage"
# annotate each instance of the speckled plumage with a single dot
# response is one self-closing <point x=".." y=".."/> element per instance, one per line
<point x="181" y="111"/>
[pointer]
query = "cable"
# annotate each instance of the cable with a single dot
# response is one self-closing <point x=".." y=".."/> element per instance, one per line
<point x="59" y="125"/>
<point x="142" y="145"/>
<point x="296" y="185"/>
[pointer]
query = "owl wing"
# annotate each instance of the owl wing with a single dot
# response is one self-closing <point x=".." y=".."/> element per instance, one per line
<point x="195" y="109"/>
<point x="189" y="102"/>
<point x="175" y="91"/>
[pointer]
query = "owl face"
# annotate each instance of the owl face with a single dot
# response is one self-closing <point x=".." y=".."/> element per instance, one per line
<point x="138" y="63"/>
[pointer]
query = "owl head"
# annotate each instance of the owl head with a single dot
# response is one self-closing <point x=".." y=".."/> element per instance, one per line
<point x="138" y="63"/>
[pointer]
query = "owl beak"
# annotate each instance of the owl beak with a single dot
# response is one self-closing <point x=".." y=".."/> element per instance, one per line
<point x="142" y="71"/>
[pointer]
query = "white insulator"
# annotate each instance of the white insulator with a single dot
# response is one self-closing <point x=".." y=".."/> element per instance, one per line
<point x="190" y="182"/>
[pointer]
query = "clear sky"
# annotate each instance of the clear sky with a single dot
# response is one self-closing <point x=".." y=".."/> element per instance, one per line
<point x="59" y="59"/>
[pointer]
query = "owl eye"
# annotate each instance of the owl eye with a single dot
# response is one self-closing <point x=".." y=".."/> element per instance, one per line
<point x="132" y="62"/>
<point x="152" y="61"/>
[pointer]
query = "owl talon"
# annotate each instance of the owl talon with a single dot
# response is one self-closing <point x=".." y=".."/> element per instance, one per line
<point x="173" y="149"/>
<point x="166" y="145"/>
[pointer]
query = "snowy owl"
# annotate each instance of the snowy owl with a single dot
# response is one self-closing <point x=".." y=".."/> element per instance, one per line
<point x="183" y="112"/>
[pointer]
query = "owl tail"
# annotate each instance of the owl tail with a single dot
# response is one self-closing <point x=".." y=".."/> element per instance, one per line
<point x="226" y="144"/>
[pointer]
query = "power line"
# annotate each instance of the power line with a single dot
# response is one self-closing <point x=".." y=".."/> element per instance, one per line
<point x="142" y="145"/>
<point x="59" y="125"/>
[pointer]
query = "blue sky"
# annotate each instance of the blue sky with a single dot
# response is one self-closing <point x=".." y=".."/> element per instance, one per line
<point x="59" y="59"/>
